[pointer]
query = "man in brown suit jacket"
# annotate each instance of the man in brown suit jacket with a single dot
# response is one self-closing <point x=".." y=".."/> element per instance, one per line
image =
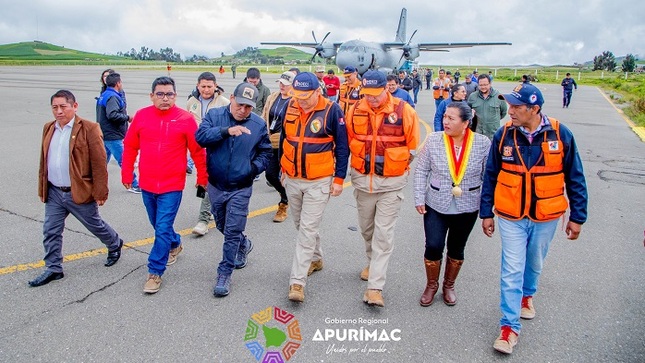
<point x="72" y="179"/>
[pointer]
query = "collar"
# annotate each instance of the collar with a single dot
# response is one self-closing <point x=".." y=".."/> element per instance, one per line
<point x="68" y="125"/>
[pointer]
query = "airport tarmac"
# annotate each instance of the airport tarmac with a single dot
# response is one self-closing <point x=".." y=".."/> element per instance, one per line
<point x="590" y="305"/>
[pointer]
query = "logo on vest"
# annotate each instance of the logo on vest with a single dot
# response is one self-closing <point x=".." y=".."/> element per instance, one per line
<point x="507" y="153"/>
<point x="554" y="146"/>
<point x="316" y="126"/>
<point x="392" y="118"/>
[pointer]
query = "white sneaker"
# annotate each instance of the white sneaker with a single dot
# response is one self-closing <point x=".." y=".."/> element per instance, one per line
<point x="201" y="228"/>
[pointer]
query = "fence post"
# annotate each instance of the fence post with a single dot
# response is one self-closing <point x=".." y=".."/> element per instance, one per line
<point x="602" y="74"/>
<point x="557" y="72"/>
<point x="515" y="72"/>
<point x="625" y="76"/>
<point x="579" y="73"/>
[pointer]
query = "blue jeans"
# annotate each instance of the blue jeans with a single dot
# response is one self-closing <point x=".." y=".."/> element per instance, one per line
<point x="416" y="95"/>
<point x="162" y="210"/>
<point x="115" y="148"/>
<point x="230" y="209"/>
<point x="524" y="247"/>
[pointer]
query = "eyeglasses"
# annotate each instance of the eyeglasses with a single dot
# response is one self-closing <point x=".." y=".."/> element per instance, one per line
<point x="161" y="95"/>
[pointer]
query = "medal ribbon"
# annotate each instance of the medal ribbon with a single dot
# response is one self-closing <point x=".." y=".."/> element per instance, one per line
<point x="456" y="165"/>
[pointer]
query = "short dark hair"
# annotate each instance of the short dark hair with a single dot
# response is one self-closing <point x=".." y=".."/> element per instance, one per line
<point x="568" y="74"/>
<point x="401" y="71"/>
<point x="163" y="81"/>
<point x="206" y="76"/>
<point x="392" y="77"/>
<point x="331" y="71"/>
<point x="482" y="76"/>
<point x="455" y="87"/>
<point x="112" y="79"/>
<point x="67" y="95"/>
<point x="465" y="113"/>
<point x="253" y="73"/>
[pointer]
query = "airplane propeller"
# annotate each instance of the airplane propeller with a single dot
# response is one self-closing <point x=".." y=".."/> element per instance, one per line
<point x="319" y="47"/>
<point x="407" y="48"/>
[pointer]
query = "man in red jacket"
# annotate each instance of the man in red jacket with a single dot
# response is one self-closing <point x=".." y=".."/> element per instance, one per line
<point x="162" y="133"/>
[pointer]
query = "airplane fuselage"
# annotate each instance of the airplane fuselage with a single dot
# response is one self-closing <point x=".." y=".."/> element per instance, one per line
<point x="365" y="55"/>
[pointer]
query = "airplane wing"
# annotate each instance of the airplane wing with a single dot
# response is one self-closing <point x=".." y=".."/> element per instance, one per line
<point x="442" y="47"/>
<point x="295" y="44"/>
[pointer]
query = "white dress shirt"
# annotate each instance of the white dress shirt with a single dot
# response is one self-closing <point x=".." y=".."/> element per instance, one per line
<point x="58" y="155"/>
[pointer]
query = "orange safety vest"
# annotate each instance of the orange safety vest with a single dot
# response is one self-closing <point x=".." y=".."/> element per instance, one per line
<point x="348" y="95"/>
<point x="441" y="93"/>
<point x="537" y="193"/>
<point x="307" y="149"/>
<point x="383" y="151"/>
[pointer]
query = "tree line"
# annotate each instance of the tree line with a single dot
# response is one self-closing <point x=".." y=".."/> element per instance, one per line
<point x="607" y="62"/>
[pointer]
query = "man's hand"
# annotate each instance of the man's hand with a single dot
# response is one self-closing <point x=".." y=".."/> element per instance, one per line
<point x="127" y="186"/>
<point x="421" y="209"/>
<point x="336" y="189"/>
<point x="238" y="130"/>
<point x="100" y="202"/>
<point x="573" y="230"/>
<point x="488" y="226"/>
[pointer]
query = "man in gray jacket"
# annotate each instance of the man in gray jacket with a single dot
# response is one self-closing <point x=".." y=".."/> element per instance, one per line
<point x="489" y="109"/>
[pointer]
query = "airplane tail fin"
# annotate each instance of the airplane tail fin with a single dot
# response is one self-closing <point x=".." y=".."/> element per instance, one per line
<point x="400" y="31"/>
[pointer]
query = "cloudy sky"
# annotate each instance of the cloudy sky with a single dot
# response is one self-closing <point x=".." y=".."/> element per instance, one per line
<point x="542" y="32"/>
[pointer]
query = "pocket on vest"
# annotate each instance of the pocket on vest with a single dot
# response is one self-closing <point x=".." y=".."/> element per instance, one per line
<point x="396" y="161"/>
<point x="508" y="194"/>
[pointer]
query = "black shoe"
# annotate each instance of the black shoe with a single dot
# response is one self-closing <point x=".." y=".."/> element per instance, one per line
<point x="46" y="278"/>
<point x="189" y="170"/>
<point x="114" y="256"/>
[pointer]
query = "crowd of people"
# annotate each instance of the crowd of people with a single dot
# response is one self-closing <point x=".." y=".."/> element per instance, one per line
<point x="307" y="138"/>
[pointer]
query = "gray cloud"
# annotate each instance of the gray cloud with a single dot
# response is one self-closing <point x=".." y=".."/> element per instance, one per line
<point x="544" y="32"/>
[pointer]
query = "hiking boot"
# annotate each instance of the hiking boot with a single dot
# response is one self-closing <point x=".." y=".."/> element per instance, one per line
<point x="373" y="297"/>
<point x="243" y="253"/>
<point x="528" y="310"/>
<point x="223" y="285"/>
<point x="506" y="340"/>
<point x="365" y="274"/>
<point x="315" y="266"/>
<point x="201" y="228"/>
<point x="172" y="256"/>
<point x="153" y="284"/>
<point x="281" y="214"/>
<point x="297" y="293"/>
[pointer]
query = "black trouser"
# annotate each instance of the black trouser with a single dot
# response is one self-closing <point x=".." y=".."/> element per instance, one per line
<point x="273" y="176"/>
<point x="437" y="225"/>
<point x="566" y="98"/>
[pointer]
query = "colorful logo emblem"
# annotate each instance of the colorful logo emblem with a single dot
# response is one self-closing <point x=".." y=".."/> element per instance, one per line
<point x="508" y="151"/>
<point x="392" y="118"/>
<point x="281" y="333"/>
<point x="554" y="146"/>
<point x="315" y="126"/>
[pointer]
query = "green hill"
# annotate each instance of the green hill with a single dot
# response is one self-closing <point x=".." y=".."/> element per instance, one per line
<point x="286" y="53"/>
<point x="40" y="51"/>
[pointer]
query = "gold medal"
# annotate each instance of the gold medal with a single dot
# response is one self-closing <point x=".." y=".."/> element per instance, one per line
<point x="456" y="191"/>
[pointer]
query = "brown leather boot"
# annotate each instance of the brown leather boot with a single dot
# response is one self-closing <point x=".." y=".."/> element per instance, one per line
<point x="432" y="273"/>
<point x="449" y="277"/>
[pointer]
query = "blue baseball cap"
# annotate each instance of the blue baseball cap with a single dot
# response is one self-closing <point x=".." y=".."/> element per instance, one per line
<point x="373" y="83"/>
<point x="524" y="94"/>
<point x="349" y="69"/>
<point x="304" y="85"/>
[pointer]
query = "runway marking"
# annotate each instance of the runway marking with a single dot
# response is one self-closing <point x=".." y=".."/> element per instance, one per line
<point x="149" y="240"/>
<point x="639" y="130"/>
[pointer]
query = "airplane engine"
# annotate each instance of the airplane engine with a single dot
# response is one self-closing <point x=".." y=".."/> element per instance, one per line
<point x="328" y="51"/>
<point x="412" y="54"/>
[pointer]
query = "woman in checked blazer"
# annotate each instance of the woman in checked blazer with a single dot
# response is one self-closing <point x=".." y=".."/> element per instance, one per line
<point x="447" y="188"/>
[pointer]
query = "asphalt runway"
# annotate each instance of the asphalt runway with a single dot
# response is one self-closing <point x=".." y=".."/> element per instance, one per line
<point x="590" y="306"/>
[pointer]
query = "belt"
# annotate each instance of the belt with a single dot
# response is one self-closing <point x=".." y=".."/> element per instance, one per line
<point x="62" y="189"/>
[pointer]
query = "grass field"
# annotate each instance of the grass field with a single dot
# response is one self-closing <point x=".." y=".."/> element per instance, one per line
<point x="628" y="91"/>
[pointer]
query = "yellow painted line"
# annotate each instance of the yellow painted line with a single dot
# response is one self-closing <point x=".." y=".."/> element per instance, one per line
<point x="137" y="243"/>
<point x="428" y="132"/>
<point x="640" y="131"/>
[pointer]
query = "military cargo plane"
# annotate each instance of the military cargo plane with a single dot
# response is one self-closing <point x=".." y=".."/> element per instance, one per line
<point x="387" y="57"/>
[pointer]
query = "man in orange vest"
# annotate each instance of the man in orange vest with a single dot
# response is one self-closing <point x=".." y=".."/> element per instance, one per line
<point x="383" y="131"/>
<point x="533" y="160"/>
<point x="314" y="165"/>
<point x="349" y="91"/>
<point x="441" y="88"/>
